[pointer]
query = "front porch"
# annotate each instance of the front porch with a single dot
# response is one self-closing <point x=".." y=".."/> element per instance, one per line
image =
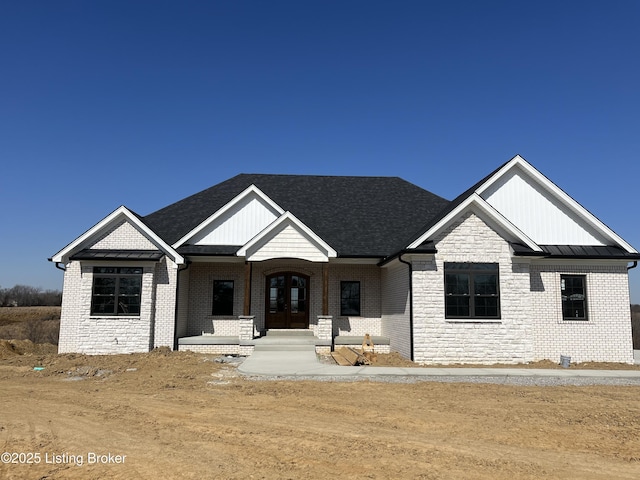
<point x="288" y="298"/>
<point x="275" y="339"/>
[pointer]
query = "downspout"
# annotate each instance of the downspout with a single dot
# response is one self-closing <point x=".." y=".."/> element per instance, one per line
<point x="64" y="269"/>
<point x="635" y="264"/>
<point x="175" y="313"/>
<point x="410" y="302"/>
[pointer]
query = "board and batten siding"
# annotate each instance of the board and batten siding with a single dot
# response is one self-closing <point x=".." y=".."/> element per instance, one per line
<point x="535" y="211"/>
<point x="238" y="225"/>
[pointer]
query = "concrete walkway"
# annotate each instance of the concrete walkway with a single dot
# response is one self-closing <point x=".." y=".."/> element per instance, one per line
<point x="305" y="363"/>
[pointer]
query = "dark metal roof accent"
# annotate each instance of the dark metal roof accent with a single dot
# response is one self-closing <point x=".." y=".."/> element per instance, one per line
<point x="362" y="216"/>
<point x="585" y="252"/>
<point x="120" y="255"/>
<point x="589" y="252"/>
<point x="196" y="250"/>
<point x="520" y="250"/>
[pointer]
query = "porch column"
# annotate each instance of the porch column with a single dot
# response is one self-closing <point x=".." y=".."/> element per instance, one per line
<point x="246" y="310"/>
<point x="325" y="327"/>
<point x="247" y="330"/>
<point x="325" y="289"/>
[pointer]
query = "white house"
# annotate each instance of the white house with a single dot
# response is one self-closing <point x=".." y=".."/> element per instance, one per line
<point x="513" y="270"/>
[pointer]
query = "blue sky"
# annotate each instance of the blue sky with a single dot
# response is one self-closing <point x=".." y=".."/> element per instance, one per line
<point x="143" y="103"/>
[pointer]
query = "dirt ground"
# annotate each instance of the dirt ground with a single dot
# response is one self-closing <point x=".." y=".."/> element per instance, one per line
<point x="183" y="415"/>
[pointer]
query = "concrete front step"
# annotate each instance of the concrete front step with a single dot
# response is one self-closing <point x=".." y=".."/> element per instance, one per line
<point x="283" y="347"/>
<point x="289" y="333"/>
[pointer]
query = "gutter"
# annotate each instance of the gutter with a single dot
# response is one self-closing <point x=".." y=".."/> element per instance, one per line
<point x="410" y="300"/>
<point x="428" y="251"/>
<point x="635" y="264"/>
<point x="187" y="264"/>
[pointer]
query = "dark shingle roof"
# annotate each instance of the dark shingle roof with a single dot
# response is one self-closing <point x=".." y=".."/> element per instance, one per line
<point x="357" y="216"/>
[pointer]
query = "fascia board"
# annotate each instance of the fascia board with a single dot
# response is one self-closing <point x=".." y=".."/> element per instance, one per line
<point x="120" y="212"/>
<point x="234" y="201"/>
<point x="561" y="195"/>
<point x="475" y="200"/>
<point x="287" y="216"/>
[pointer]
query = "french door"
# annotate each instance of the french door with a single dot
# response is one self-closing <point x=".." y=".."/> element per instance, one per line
<point x="287" y="301"/>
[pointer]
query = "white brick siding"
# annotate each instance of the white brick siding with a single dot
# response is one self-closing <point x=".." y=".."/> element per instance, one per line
<point x="183" y="303"/>
<point x="370" y="300"/>
<point x="200" y="293"/>
<point x="165" y="278"/>
<point x="395" y="308"/>
<point x="200" y="296"/>
<point x="123" y="236"/>
<point x="605" y="336"/>
<point x="71" y="312"/>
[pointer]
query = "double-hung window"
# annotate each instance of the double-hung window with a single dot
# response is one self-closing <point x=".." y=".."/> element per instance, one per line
<point x="472" y="290"/>
<point x="574" y="297"/>
<point x="116" y="291"/>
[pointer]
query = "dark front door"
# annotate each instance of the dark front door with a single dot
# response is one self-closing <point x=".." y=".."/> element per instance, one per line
<point x="287" y="301"/>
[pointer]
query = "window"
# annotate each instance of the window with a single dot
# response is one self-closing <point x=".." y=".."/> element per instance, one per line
<point x="350" y="298"/>
<point x="222" y="297"/>
<point x="574" y="297"/>
<point x="471" y="290"/>
<point x="116" y="291"/>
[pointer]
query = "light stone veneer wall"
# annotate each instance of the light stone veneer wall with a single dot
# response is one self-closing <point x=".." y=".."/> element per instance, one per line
<point x="531" y="325"/>
<point x="82" y="333"/>
<point x="605" y="336"/>
<point x="438" y="340"/>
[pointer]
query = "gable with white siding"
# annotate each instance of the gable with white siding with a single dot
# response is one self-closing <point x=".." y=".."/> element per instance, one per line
<point x="239" y="224"/>
<point x="538" y="213"/>
<point x="287" y="237"/>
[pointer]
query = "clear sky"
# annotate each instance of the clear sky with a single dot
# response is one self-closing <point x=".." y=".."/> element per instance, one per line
<point x="142" y="103"/>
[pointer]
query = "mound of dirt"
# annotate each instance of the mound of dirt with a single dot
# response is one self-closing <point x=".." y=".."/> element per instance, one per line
<point x="12" y="348"/>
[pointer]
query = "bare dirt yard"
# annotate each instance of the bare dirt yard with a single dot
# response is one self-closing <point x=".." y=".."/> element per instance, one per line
<point x="183" y="415"/>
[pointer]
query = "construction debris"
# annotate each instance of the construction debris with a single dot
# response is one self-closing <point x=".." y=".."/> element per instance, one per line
<point x="346" y="356"/>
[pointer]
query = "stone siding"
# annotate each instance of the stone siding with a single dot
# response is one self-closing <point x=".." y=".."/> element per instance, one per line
<point x="441" y="340"/>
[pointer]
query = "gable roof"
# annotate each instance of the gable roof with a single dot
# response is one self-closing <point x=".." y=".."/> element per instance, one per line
<point x="476" y="194"/>
<point x="120" y="214"/>
<point x="356" y="216"/>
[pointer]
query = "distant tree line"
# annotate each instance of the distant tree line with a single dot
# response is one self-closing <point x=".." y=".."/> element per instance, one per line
<point x="26" y="296"/>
